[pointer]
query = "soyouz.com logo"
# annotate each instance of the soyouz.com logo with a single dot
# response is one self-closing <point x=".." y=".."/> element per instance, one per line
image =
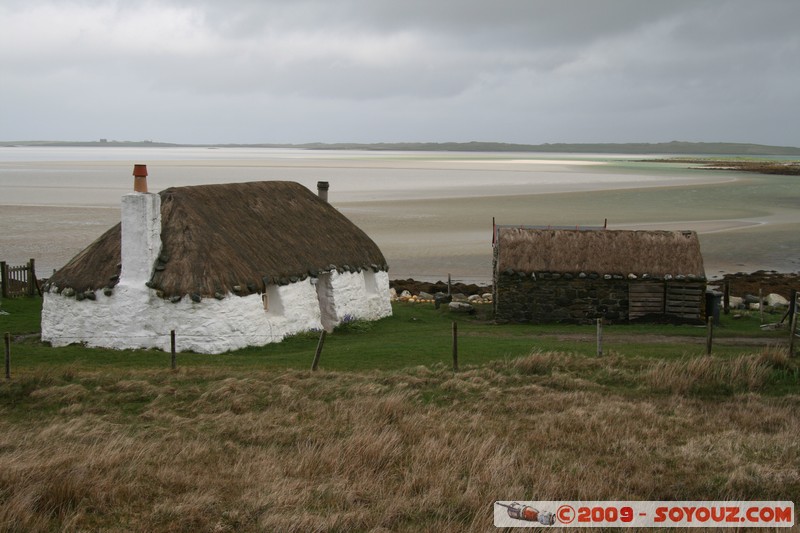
<point x="644" y="514"/>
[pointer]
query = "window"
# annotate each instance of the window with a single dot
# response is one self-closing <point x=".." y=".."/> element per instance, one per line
<point x="271" y="299"/>
<point x="370" y="283"/>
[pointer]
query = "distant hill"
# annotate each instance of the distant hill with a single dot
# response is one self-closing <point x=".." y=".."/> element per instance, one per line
<point x="673" y="147"/>
<point x="116" y="144"/>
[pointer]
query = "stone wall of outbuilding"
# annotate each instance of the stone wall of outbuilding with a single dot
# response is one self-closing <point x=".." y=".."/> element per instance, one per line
<point x="549" y="297"/>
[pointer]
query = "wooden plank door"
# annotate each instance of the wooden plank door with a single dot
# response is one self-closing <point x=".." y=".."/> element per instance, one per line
<point x="645" y="298"/>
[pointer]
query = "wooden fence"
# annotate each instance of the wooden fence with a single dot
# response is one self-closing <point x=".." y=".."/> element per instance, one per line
<point x="794" y="310"/>
<point x="16" y="281"/>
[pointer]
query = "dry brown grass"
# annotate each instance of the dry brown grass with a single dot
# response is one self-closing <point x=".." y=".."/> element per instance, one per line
<point x="748" y="372"/>
<point x="416" y="450"/>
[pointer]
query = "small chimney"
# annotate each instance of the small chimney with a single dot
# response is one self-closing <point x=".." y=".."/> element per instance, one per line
<point x="140" y="178"/>
<point x="322" y="190"/>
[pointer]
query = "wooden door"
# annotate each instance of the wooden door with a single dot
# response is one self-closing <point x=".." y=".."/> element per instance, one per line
<point x="645" y="298"/>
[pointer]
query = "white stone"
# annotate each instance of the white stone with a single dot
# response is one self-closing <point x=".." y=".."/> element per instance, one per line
<point x="776" y="300"/>
<point x="736" y="302"/>
<point x="460" y="307"/>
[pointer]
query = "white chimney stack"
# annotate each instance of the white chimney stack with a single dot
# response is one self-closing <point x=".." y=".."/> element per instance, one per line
<point x="141" y="231"/>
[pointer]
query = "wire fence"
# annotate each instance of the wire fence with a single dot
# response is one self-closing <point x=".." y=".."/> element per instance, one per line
<point x="235" y="340"/>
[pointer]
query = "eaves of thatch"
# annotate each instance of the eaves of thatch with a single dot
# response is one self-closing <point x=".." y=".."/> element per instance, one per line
<point x="233" y="238"/>
<point x="640" y="254"/>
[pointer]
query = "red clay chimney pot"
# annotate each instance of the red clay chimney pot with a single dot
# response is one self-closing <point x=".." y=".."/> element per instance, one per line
<point x="140" y="171"/>
<point x="140" y="178"/>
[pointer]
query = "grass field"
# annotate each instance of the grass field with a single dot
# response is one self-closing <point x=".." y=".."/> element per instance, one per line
<point x="386" y="437"/>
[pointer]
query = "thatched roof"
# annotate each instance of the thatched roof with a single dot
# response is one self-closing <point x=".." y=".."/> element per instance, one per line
<point x="234" y="237"/>
<point x="656" y="254"/>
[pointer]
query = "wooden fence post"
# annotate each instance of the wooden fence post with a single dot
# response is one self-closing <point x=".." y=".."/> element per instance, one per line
<point x="761" y="304"/>
<point x="455" y="346"/>
<point x="318" y="353"/>
<point x="31" y="277"/>
<point x="709" y="334"/>
<point x="726" y="297"/>
<point x="173" y="362"/>
<point x="449" y="292"/>
<point x="599" y="337"/>
<point x="7" y="338"/>
<point x="4" y="279"/>
<point x="793" y="326"/>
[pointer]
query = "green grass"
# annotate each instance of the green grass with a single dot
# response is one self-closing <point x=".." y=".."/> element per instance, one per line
<point x="24" y="315"/>
<point x="416" y="334"/>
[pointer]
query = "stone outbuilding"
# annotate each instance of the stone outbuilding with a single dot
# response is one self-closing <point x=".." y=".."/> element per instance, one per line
<point x="546" y="275"/>
<point x="225" y="266"/>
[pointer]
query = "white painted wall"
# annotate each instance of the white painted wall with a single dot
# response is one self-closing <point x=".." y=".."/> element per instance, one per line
<point x="134" y="317"/>
<point x="360" y="298"/>
<point x="379" y="302"/>
<point x="137" y="318"/>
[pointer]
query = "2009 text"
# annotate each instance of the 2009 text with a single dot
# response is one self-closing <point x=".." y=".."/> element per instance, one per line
<point x="646" y="513"/>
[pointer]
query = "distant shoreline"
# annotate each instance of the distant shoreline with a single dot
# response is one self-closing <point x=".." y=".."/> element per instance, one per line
<point x="783" y="168"/>
<point x="667" y="148"/>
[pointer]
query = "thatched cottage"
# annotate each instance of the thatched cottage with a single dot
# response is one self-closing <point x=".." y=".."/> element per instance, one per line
<point x="579" y="275"/>
<point x="225" y="266"/>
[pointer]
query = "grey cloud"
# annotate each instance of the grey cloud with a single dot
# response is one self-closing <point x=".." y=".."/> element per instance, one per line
<point x="517" y="70"/>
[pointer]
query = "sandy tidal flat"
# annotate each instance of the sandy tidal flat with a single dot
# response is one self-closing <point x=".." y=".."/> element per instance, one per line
<point x="431" y="213"/>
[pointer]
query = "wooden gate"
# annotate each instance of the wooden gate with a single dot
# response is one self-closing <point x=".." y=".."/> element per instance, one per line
<point x="18" y="281"/>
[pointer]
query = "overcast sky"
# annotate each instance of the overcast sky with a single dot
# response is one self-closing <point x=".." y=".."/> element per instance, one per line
<point x="527" y="71"/>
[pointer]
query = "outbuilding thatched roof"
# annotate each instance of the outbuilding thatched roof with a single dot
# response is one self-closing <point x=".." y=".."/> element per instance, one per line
<point x="655" y="254"/>
<point x="234" y="238"/>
